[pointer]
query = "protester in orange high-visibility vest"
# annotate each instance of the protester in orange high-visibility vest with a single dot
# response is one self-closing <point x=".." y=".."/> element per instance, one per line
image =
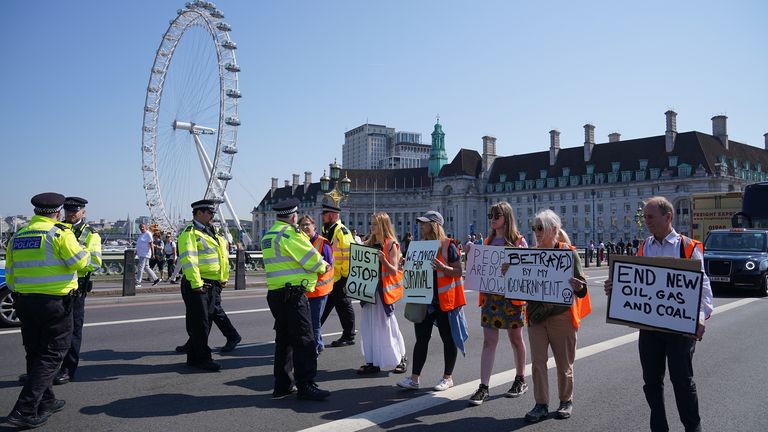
<point x="319" y="296"/>
<point x="555" y="326"/>
<point x="499" y="313"/>
<point x="383" y="344"/>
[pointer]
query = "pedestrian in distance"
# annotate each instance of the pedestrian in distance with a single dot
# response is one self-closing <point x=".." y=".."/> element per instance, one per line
<point x="446" y="309"/>
<point x="144" y="253"/>
<point x="89" y="239"/>
<point x="499" y="313"/>
<point x="319" y="296"/>
<point x="292" y="268"/>
<point x="42" y="261"/>
<point x="158" y="259"/>
<point x="555" y="326"/>
<point x="340" y="238"/>
<point x="661" y="349"/>
<point x="169" y="254"/>
<point x="204" y="260"/>
<point x="407" y="238"/>
<point x="383" y="345"/>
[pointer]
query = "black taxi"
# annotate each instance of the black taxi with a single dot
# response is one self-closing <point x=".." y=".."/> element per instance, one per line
<point x="737" y="258"/>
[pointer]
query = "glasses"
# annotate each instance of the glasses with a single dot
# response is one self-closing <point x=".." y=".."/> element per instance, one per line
<point x="537" y="227"/>
<point x="494" y="216"/>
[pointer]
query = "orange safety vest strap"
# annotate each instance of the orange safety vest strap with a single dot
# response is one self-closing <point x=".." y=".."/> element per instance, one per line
<point x="324" y="284"/>
<point x="687" y="245"/>
<point x="581" y="306"/>
<point x="450" y="290"/>
<point x="391" y="284"/>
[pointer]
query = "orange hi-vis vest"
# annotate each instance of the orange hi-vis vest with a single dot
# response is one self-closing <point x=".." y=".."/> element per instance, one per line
<point x="450" y="290"/>
<point x="481" y="297"/>
<point x="391" y="283"/>
<point x="687" y="245"/>
<point x="324" y="284"/>
<point x="581" y="306"/>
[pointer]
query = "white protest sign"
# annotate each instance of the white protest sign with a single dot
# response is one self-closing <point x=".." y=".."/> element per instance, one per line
<point x="418" y="275"/>
<point x="483" y="272"/>
<point x="363" y="273"/>
<point x="540" y="275"/>
<point x="658" y="293"/>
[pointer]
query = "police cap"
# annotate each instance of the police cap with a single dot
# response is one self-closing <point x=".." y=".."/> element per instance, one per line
<point x="74" y="203"/>
<point x="48" y="202"/>
<point x="205" y="204"/>
<point x="331" y="208"/>
<point x="286" y="207"/>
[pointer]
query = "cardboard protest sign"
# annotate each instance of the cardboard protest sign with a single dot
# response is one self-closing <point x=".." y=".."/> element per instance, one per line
<point x="655" y="293"/>
<point x="483" y="272"/>
<point x="363" y="273"/>
<point x="418" y="275"/>
<point x="540" y="275"/>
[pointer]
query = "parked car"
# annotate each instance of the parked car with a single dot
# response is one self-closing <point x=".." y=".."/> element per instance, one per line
<point x="737" y="259"/>
<point x="8" y="317"/>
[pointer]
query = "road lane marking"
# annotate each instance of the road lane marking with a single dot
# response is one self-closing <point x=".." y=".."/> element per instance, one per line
<point x="388" y="413"/>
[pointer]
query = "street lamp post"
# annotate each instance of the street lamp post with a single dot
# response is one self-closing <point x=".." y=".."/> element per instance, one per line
<point x="639" y="222"/>
<point x="340" y="191"/>
<point x="593" y="214"/>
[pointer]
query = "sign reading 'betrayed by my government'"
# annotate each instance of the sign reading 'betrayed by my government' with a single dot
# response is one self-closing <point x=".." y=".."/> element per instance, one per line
<point x="540" y="275"/>
<point x="418" y="275"/>
<point x="659" y="293"/>
<point x="363" y="273"/>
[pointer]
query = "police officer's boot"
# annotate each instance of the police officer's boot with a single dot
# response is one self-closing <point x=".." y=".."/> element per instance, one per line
<point x="310" y="391"/>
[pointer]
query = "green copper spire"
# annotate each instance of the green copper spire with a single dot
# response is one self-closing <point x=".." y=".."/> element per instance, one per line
<point x="437" y="156"/>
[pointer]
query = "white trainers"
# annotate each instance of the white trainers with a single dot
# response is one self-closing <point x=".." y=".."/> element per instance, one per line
<point x="408" y="383"/>
<point x="444" y="384"/>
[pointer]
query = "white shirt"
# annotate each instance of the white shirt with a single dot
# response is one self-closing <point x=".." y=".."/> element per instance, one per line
<point x="144" y="245"/>
<point x="670" y="247"/>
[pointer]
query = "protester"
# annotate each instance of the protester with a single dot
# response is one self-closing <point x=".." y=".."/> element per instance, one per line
<point x="383" y="345"/>
<point x="659" y="349"/>
<point x="555" y="326"/>
<point x="446" y="310"/>
<point x="319" y="296"/>
<point x="501" y="313"/>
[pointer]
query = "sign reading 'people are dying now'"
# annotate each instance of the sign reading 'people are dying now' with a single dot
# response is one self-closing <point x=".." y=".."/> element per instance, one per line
<point x="540" y="275"/>
<point x="658" y="293"/>
<point x="363" y="273"/>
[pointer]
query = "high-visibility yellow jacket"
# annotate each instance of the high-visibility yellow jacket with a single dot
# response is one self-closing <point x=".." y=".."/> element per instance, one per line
<point x="202" y="255"/>
<point x="340" y="238"/>
<point x="91" y="241"/>
<point x="44" y="257"/>
<point x="289" y="258"/>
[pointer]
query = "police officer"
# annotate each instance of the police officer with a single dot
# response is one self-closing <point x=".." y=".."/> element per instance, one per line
<point x="292" y="265"/>
<point x="74" y="214"/>
<point x="204" y="261"/>
<point x="340" y="238"/>
<point x="42" y="261"/>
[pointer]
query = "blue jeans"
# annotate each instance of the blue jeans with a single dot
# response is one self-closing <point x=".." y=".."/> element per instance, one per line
<point x="316" y="306"/>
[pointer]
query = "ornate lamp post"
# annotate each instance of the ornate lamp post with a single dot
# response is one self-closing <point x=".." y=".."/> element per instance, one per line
<point x="340" y="191"/>
<point x="639" y="222"/>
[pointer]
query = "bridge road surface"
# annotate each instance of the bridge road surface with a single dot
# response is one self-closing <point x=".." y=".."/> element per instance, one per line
<point x="130" y="379"/>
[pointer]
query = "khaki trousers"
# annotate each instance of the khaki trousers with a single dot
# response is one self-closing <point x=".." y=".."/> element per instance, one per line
<point x="558" y="332"/>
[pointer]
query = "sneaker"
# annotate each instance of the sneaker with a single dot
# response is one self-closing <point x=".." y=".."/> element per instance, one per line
<point x="155" y="282"/>
<point x="538" y="413"/>
<point x="480" y="395"/>
<point x="408" y="383"/>
<point x="138" y="285"/>
<point x="31" y="421"/>
<point x="51" y="407"/>
<point x="311" y="391"/>
<point x="518" y="388"/>
<point x="444" y="384"/>
<point x="564" y="410"/>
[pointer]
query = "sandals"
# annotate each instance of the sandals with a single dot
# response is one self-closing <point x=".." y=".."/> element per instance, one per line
<point x="368" y="369"/>
<point x="402" y="367"/>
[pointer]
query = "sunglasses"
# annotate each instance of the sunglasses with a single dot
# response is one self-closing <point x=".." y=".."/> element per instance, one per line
<point x="537" y="227"/>
<point x="494" y="216"/>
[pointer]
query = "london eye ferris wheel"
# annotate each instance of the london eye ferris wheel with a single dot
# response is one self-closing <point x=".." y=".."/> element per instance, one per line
<point x="189" y="132"/>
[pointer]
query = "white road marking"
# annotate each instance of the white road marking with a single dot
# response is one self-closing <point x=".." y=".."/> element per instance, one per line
<point x="391" y="412"/>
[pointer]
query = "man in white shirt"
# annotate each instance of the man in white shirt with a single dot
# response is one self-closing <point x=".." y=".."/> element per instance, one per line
<point x="144" y="253"/>
<point x="660" y="348"/>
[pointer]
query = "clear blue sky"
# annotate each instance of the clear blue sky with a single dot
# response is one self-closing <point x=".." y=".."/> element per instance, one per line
<point x="74" y="76"/>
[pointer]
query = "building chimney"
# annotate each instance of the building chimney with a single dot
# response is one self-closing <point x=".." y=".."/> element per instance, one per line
<point x="287" y="183"/>
<point x="489" y="154"/>
<point x="589" y="141"/>
<point x="614" y="137"/>
<point x="720" y="129"/>
<point x="765" y="135"/>
<point x="274" y="185"/>
<point x="307" y="180"/>
<point x="671" y="133"/>
<point x="554" y="146"/>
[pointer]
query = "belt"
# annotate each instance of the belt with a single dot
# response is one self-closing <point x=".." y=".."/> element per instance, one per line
<point x="212" y="282"/>
<point x="48" y="296"/>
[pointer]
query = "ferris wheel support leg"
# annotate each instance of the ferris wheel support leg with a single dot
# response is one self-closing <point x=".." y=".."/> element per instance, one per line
<point x="205" y="163"/>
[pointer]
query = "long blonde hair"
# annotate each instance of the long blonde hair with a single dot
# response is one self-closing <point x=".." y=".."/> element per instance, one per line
<point x="511" y="235"/>
<point x="381" y="229"/>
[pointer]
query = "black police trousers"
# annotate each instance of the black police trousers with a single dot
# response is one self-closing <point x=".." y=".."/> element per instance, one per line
<point x="46" y="331"/>
<point x="200" y="305"/>
<point x="657" y="349"/>
<point x="72" y="357"/>
<point x="295" y="351"/>
<point x="338" y="299"/>
<point x="221" y="319"/>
